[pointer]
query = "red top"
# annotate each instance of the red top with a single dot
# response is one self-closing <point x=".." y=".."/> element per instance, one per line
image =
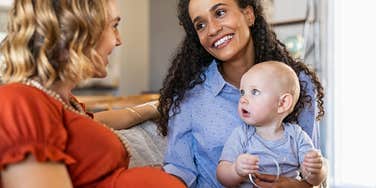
<point x="33" y="122"/>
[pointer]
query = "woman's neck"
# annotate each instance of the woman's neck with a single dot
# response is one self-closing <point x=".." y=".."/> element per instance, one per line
<point x="64" y="89"/>
<point x="233" y="71"/>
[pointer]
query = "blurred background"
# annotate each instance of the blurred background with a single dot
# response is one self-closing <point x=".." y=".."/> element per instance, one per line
<point x="335" y="37"/>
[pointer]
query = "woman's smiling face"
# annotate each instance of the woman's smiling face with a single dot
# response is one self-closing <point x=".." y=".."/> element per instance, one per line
<point x="222" y="27"/>
<point x="109" y="39"/>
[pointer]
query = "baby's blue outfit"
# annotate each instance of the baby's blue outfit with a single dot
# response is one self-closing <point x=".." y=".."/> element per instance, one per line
<point x="208" y="115"/>
<point x="288" y="151"/>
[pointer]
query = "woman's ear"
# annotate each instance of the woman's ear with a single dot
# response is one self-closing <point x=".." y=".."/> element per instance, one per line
<point x="249" y="15"/>
<point x="285" y="103"/>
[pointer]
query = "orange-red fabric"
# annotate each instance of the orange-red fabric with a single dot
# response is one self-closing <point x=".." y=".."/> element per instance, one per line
<point x="147" y="177"/>
<point x="32" y="122"/>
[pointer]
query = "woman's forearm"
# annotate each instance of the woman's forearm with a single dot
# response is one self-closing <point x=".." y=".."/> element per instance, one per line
<point x="127" y="117"/>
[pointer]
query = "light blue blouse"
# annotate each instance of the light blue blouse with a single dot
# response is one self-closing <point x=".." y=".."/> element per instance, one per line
<point x="208" y="115"/>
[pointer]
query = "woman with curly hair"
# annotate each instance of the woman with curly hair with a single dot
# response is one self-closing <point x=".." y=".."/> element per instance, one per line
<point x="198" y="103"/>
<point x="47" y="137"/>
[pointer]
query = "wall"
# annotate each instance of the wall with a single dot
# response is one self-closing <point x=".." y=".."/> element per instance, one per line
<point x="4" y="6"/>
<point x="133" y="55"/>
<point x="5" y="3"/>
<point x="283" y="11"/>
<point x="151" y="33"/>
<point x="165" y="35"/>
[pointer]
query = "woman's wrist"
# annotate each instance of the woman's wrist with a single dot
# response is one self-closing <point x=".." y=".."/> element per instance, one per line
<point x="144" y="111"/>
<point x="150" y="107"/>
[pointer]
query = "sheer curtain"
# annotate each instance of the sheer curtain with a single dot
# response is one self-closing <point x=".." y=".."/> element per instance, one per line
<point x="352" y="93"/>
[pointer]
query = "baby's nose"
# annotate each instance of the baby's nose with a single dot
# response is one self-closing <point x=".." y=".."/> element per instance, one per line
<point x="244" y="100"/>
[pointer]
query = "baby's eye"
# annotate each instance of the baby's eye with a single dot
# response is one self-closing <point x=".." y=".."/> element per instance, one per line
<point x="255" y="92"/>
<point x="220" y="12"/>
<point x="242" y="92"/>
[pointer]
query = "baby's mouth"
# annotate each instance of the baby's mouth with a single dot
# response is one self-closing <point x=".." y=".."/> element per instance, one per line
<point x="245" y="112"/>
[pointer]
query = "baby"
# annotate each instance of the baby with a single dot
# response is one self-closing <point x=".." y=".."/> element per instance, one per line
<point x="269" y="92"/>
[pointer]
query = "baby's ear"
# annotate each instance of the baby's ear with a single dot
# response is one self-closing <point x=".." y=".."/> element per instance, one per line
<point x="285" y="103"/>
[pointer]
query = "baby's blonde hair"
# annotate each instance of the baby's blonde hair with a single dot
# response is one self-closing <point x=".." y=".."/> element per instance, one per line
<point x="52" y="40"/>
<point x="286" y="77"/>
<point x="283" y="76"/>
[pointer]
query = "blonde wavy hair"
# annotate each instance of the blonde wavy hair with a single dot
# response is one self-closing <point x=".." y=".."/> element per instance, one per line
<point x="52" y="40"/>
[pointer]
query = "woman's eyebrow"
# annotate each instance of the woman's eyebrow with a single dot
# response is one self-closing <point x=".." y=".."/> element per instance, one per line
<point x="211" y="10"/>
<point x="216" y="6"/>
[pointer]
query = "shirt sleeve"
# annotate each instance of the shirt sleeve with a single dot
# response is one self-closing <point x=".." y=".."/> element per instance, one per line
<point x="234" y="145"/>
<point x="304" y="143"/>
<point x="179" y="158"/>
<point x="30" y="124"/>
<point x="307" y="118"/>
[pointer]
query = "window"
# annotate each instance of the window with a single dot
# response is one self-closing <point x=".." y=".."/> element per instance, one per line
<point x="352" y="93"/>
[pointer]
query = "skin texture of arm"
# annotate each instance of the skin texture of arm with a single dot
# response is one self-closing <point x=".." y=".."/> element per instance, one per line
<point x="232" y="174"/>
<point x="32" y="174"/>
<point x="127" y="117"/>
<point x="227" y="175"/>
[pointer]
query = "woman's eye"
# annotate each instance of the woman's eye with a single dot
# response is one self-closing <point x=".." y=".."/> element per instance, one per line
<point x="242" y="92"/>
<point x="200" y="26"/>
<point x="115" y="27"/>
<point x="220" y="12"/>
<point x="255" y="92"/>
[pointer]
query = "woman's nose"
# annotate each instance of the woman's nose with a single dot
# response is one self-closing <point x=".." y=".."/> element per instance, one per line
<point x="118" y="39"/>
<point x="214" y="27"/>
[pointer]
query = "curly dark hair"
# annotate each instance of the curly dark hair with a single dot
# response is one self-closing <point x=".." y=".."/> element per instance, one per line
<point x="191" y="60"/>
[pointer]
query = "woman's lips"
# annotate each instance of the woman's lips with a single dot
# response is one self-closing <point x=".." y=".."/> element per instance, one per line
<point x="223" y="41"/>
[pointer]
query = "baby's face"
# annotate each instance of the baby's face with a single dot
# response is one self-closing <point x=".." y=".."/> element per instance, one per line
<point x="259" y="97"/>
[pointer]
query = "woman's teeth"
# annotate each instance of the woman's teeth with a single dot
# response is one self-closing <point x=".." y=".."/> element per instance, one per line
<point x="222" y="40"/>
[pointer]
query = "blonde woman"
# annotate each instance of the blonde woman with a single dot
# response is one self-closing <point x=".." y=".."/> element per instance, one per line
<point x="47" y="137"/>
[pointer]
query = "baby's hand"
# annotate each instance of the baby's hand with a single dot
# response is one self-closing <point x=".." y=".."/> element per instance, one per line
<point x="312" y="163"/>
<point x="246" y="164"/>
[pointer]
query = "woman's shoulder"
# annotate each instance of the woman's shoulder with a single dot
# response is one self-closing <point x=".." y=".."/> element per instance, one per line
<point x="24" y="95"/>
<point x="303" y="76"/>
<point x="18" y="90"/>
<point x="308" y="85"/>
<point x="30" y="124"/>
